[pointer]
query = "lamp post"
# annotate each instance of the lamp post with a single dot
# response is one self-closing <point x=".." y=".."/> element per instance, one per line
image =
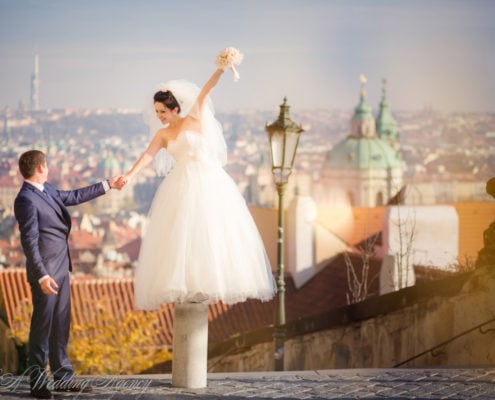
<point x="283" y="135"/>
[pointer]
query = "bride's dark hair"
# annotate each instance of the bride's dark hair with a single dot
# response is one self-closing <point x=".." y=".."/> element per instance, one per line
<point x="167" y="99"/>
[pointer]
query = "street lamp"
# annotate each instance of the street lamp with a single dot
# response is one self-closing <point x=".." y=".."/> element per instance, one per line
<point x="283" y="135"/>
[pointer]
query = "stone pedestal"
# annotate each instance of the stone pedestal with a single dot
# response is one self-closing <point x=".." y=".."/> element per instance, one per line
<point x="190" y="345"/>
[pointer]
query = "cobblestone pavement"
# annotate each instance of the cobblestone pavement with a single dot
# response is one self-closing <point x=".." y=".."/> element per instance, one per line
<point x="397" y="384"/>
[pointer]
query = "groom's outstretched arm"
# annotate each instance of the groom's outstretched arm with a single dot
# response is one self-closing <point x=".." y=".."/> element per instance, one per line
<point x="78" y="196"/>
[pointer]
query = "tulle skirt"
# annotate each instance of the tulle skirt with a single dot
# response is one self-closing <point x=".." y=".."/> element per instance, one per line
<point x="200" y="243"/>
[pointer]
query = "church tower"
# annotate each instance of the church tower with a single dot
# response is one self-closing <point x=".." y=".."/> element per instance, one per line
<point x="363" y="123"/>
<point x="364" y="168"/>
<point x="386" y="126"/>
<point x="35" y="86"/>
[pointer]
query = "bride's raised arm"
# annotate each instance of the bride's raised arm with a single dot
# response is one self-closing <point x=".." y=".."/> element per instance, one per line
<point x="208" y="87"/>
<point x="228" y="58"/>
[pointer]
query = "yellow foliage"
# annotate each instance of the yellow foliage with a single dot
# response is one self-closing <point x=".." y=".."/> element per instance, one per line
<point x="108" y="344"/>
<point x="116" y="345"/>
<point x="21" y="321"/>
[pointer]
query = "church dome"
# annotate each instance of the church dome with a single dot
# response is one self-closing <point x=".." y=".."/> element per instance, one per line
<point x="109" y="165"/>
<point x="363" y="148"/>
<point x="363" y="153"/>
<point x="365" y="166"/>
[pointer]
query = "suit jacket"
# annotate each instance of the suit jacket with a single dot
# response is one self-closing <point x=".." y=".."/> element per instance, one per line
<point x="45" y="225"/>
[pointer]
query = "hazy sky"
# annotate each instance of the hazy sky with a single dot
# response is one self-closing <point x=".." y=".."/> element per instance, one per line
<point x="113" y="53"/>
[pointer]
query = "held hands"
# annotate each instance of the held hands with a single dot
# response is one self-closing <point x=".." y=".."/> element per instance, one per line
<point x="117" y="182"/>
<point x="122" y="181"/>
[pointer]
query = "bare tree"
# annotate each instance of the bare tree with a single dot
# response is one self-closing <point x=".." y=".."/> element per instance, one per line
<point x="403" y="258"/>
<point x="357" y="282"/>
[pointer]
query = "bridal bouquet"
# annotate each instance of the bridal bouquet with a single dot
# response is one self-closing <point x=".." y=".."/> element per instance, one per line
<point x="229" y="57"/>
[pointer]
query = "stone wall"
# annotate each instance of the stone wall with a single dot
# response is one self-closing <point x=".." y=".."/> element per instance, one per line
<point x="418" y="319"/>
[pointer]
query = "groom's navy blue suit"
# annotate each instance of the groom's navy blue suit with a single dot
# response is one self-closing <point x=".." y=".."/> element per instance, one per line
<point x="45" y="223"/>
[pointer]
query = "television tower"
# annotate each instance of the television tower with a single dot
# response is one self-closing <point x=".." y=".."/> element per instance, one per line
<point x="35" y="85"/>
<point x="6" y="130"/>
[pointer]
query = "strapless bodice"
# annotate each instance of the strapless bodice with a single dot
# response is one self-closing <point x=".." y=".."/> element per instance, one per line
<point x="190" y="146"/>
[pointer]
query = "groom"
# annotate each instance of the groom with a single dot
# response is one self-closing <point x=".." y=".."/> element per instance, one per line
<point x="44" y="224"/>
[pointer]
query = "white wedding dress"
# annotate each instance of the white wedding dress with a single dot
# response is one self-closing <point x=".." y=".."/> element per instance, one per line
<point x="200" y="243"/>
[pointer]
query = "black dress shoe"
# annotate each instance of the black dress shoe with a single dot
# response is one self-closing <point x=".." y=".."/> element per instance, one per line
<point x="41" y="393"/>
<point x="71" y="386"/>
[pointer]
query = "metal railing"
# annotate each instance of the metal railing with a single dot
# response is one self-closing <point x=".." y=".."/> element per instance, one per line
<point x="433" y="350"/>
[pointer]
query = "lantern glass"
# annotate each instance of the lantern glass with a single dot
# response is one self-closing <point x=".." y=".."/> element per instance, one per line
<point x="283" y="145"/>
<point x="291" y="140"/>
<point x="277" y="148"/>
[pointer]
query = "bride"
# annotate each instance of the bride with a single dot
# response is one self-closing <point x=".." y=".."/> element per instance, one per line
<point x="200" y="243"/>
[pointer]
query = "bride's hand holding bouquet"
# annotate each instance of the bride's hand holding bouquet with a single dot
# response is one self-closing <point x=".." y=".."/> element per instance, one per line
<point x="229" y="58"/>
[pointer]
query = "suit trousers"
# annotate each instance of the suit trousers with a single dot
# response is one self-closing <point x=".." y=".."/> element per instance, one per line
<point x="49" y="334"/>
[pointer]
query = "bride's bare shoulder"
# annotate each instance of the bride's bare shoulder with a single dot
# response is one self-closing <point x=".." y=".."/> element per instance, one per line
<point x="164" y="133"/>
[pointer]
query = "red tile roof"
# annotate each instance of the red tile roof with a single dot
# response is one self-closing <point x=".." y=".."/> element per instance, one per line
<point x="83" y="240"/>
<point x="131" y="248"/>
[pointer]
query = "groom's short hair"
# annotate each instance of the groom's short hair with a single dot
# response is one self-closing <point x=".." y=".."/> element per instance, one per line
<point x="29" y="161"/>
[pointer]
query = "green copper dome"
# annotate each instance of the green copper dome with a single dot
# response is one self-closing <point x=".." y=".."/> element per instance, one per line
<point x="363" y="153"/>
<point x="109" y="164"/>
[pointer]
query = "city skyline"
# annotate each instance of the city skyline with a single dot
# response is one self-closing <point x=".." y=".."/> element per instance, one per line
<point x="113" y="54"/>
